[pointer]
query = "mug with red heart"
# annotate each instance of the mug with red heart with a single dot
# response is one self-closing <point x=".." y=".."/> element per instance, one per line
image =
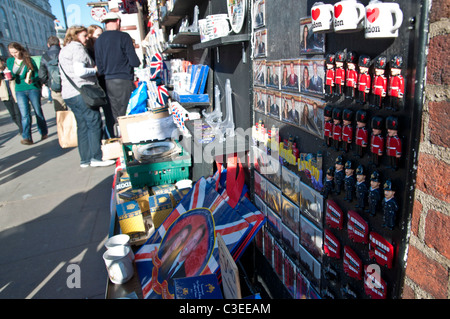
<point x="322" y="17"/>
<point x="348" y="16"/>
<point x="382" y="19"/>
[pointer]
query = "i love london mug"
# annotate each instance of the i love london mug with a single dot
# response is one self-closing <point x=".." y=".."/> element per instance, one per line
<point x="348" y="16"/>
<point x="382" y="20"/>
<point x="322" y="17"/>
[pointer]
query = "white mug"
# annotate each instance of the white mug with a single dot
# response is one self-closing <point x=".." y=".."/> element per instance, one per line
<point x="219" y="27"/>
<point x="382" y="20"/>
<point x="348" y="16"/>
<point x="322" y="17"/>
<point x="120" y="240"/>
<point x="118" y="264"/>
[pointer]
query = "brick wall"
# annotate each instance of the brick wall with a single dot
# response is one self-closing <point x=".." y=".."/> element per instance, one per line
<point x="428" y="263"/>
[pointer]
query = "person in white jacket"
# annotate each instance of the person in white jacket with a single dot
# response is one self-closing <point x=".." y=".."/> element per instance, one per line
<point x="76" y="63"/>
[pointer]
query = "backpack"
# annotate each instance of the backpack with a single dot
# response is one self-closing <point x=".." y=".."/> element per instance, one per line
<point x="54" y="76"/>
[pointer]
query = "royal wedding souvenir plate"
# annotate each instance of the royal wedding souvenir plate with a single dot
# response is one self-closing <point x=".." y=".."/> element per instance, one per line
<point x="236" y="14"/>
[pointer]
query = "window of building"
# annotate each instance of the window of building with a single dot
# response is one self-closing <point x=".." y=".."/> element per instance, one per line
<point x="26" y="31"/>
<point x="4" y="23"/>
<point x="16" y="27"/>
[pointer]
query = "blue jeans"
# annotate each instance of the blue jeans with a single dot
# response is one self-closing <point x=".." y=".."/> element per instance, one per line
<point x="23" y="101"/>
<point x="89" y="129"/>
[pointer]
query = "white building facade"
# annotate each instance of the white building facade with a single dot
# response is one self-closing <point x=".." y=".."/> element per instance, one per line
<point x="29" y="22"/>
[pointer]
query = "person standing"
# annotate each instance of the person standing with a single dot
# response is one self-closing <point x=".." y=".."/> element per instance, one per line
<point x="76" y="64"/>
<point x="49" y="73"/>
<point x="7" y="96"/>
<point x="116" y="59"/>
<point x="28" y="89"/>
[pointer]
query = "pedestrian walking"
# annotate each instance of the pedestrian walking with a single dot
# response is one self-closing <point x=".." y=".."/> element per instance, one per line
<point x="28" y="90"/>
<point x="78" y="65"/>
<point x="8" y="97"/>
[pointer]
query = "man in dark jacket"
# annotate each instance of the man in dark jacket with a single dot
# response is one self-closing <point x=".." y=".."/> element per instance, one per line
<point x="49" y="73"/>
<point x="116" y="59"/>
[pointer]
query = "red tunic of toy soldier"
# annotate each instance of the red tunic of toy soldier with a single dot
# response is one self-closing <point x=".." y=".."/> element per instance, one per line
<point x="347" y="130"/>
<point x="396" y="84"/>
<point x="364" y="79"/>
<point x="328" y="127"/>
<point x="339" y="78"/>
<point x="362" y="134"/>
<point x="329" y="76"/>
<point x="393" y="142"/>
<point x="337" y="128"/>
<point x="377" y="140"/>
<point x="379" y="83"/>
<point x="351" y="76"/>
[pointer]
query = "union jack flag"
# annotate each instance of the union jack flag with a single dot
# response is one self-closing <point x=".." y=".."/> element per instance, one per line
<point x="155" y="66"/>
<point x="156" y="259"/>
<point x="162" y="96"/>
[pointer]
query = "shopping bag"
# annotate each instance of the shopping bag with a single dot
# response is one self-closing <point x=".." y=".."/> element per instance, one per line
<point x="66" y="126"/>
<point x="138" y="100"/>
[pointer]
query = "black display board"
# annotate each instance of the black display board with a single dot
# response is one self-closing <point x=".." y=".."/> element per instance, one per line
<point x="282" y="22"/>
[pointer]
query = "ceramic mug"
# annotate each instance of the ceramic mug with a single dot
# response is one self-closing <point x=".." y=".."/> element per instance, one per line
<point x="219" y="27"/>
<point x="120" y="240"/>
<point x="382" y="20"/>
<point x="348" y="16"/>
<point x="118" y="264"/>
<point x="322" y="17"/>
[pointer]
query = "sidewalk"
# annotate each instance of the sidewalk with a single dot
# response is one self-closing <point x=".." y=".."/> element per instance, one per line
<point x="54" y="217"/>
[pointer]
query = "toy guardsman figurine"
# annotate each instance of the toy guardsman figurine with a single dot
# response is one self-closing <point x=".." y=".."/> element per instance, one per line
<point x="339" y="78"/>
<point x="361" y="188"/>
<point x="347" y="130"/>
<point x="374" y="197"/>
<point x="396" y="87"/>
<point x="329" y="76"/>
<point x="379" y="83"/>
<point x="351" y="76"/>
<point x="339" y="174"/>
<point x="337" y="128"/>
<point x="390" y="206"/>
<point x="364" y="79"/>
<point x="329" y="183"/>
<point x="376" y="140"/>
<point x="350" y="181"/>
<point x="328" y="125"/>
<point x="362" y="134"/>
<point x="393" y="142"/>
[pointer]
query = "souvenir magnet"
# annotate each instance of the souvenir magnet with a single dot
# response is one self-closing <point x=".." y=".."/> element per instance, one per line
<point x="352" y="263"/>
<point x="351" y="76"/>
<point x="393" y="142"/>
<point x="377" y="140"/>
<point x="337" y="128"/>
<point x="329" y="76"/>
<point x="328" y="127"/>
<point x="339" y="77"/>
<point x="390" y="206"/>
<point x="379" y="83"/>
<point x="347" y="130"/>
<point x="349" y="181"/>
<point x="334" y="217"/>
<point x="396" y="87"/>
<point x="374" y="286"/>
<point x="361" y="188"/>
<point x="364" y="80"/>
<point x="329" y="183"/>
<point x="357" y="228"/>
<point x="381" y="250"/>
<point x="375" y="195"/>
<point x="362" y="134"/>
<point x="331" y="246"/>
<point x="339" y="174"/>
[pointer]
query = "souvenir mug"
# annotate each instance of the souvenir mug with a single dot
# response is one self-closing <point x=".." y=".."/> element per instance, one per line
<point x="382" y="20"/>
<point x="118" y="264"/>
<point x="218" y="25"/>
<point x="204" y="31"/>
<point x="348" y="16"/>
<point x="119" y="240"/>
<point x="322" y="17"/>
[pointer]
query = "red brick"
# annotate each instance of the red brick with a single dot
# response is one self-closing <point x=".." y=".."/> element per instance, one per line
<point x="438" y="70"/>
<point x="437" y="232"/>
<point x="428" y="274"/>
<point x="408" y="292"/>
<point x="417" y="211"/>
<point x="432" y="177"/>
<point x="439" y="128"/>
<point x="439" y="9"/>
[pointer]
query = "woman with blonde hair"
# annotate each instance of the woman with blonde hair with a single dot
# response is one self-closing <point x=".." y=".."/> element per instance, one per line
<point x="76" y="64"/>
<point x="93" y="32"/>
<point x="28" y="90"/>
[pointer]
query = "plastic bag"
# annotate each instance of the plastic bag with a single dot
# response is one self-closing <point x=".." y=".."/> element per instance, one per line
<point x="138" y="100"/>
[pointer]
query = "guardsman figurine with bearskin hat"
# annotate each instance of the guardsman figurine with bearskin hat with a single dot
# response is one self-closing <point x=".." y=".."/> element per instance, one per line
<point x="350" y="181"/>
<point x="361" y="187"/>
<point x="364" y="79"/>
<point x="328" y="124"/>
<point x="376" y="140"/>
<point x="347" y="130"/>
<point x="374" y="198"/>
<point x="337" y="128"/>
<point x="329" y="76"/>
<point x="339" y="78"/>
<point x="329" y="183"/>
<point x="351" y="76"/>
<point x="362" y="134"/>
<point x="390" y="206"/>
<point x="339" y="174"/>
<point x="393" y="142"/>
<point x="396" y="87"/>
<point x="379" y="83"/>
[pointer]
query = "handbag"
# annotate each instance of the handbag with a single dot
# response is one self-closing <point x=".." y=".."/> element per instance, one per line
<point x="66" y="126"/>
<point x="93" y="94"/>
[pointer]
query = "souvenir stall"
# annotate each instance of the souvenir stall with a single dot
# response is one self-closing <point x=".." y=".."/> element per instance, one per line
<point x="279" y="136"/>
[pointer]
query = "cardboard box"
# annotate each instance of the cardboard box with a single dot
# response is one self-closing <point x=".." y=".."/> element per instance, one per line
<point x="111" y="149"/>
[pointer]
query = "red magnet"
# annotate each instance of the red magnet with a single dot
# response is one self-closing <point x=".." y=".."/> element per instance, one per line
<point x="332" y="246"/>
<point x="357" y="228"/>
<point x="334" y="215"/>
<point x="381" y="250"/>
<point x="352" y="264"/>
<point x="374" y="286"/>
